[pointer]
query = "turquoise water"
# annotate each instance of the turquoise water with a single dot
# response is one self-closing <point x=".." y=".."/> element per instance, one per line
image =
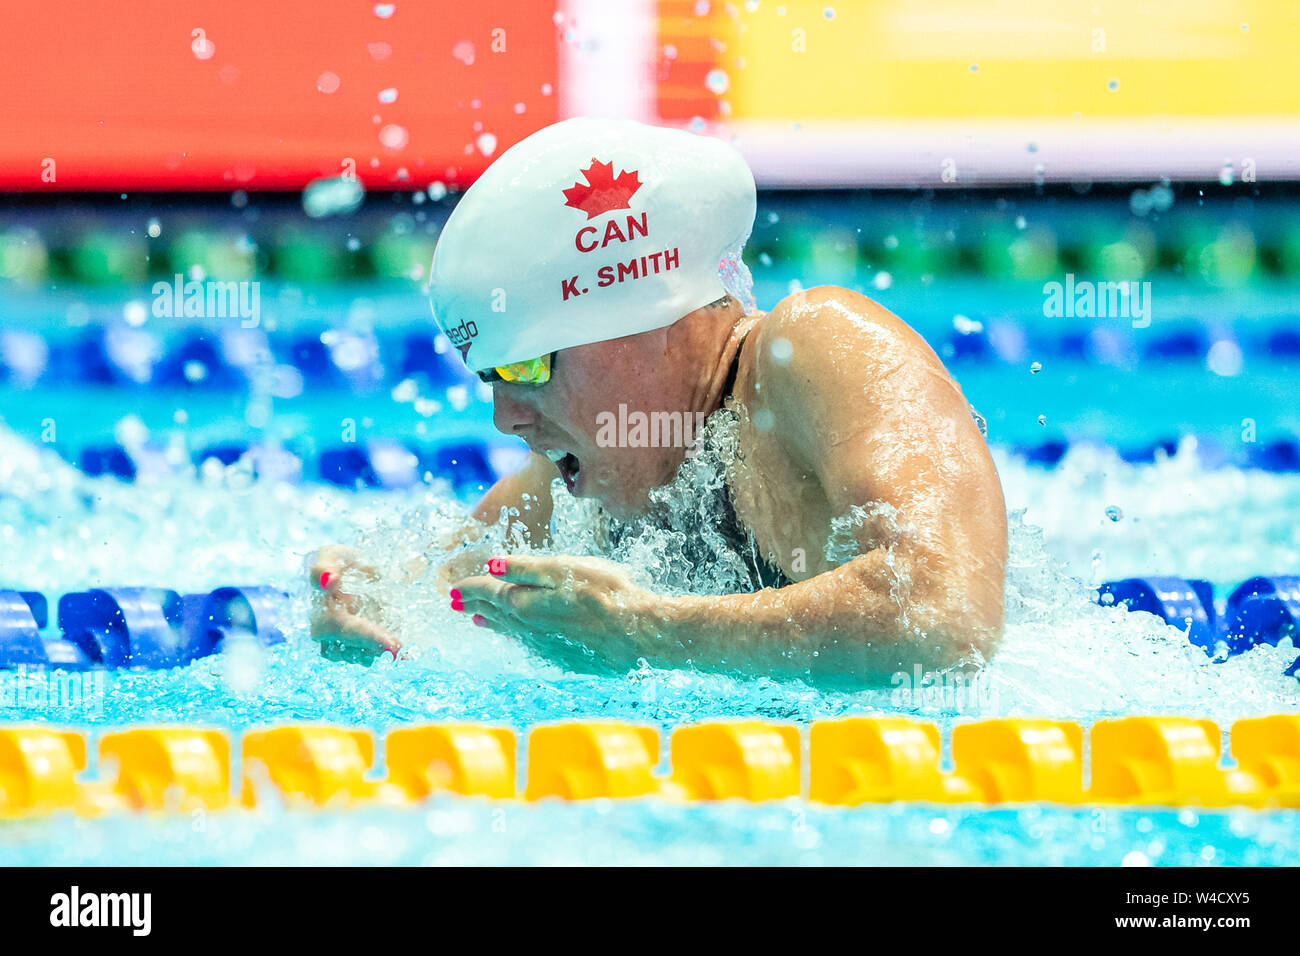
<point x="1063" y="656"/>
<point x="462" y="831"/>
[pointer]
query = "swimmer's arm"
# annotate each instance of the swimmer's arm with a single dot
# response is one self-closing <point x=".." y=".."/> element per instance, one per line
<point x="868" y="412"/>
<point x="526" y="497"/>
<point x="527" y="491"/>
<point x="841" y="622"/>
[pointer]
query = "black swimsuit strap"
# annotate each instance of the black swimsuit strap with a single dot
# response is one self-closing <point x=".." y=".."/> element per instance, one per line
<point x="730" y="383"/>
<point x="766" y="574"/>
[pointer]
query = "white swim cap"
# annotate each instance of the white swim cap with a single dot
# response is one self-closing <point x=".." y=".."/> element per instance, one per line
<point x="589" y="229"/>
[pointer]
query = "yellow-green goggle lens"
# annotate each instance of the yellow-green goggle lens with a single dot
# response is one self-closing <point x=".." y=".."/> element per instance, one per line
<point x="532" y="372"/>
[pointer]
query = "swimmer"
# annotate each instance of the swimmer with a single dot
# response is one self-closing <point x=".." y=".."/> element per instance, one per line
<point x="580" y="276"/>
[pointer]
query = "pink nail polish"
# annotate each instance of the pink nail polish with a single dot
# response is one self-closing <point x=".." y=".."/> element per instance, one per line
<point x="456" y="595"/>
<point x="457" y="606"/>
<point x="325" y="578"/>
<point x="497" y="566"/>
<point x="480" y="620"/>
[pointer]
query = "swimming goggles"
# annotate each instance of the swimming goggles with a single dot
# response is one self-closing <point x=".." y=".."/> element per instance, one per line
<point x="531" y="372"/>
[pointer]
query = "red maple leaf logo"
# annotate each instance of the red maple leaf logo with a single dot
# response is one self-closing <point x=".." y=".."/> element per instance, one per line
<point x="603" y="191"/>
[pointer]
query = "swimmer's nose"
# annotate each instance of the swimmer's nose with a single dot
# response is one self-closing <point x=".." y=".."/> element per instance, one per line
<point x="512" y="417"/>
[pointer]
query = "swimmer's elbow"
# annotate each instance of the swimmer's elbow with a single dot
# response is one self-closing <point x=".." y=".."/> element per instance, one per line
<point x="970" y="631"/>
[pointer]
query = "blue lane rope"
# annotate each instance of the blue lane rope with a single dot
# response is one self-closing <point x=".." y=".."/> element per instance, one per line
<point x="160" y="628"/>
<point x="1261" y="610"/>
<point x="134" y="627"/>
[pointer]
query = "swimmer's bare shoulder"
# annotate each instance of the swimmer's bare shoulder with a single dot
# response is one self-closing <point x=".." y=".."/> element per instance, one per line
<point x="860" y="401"/>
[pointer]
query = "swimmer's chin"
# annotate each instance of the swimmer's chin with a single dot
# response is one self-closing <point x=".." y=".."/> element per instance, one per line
<point x="620" y="509"/>
<point x="622" y="506"/>
<point x="618" y="501"/>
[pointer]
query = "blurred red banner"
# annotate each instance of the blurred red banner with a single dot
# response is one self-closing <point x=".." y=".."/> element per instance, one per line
<point x="250" y="94"/>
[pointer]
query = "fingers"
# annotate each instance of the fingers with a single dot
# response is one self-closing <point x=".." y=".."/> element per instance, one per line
<point x="494" y="597"/>
<point x="531" y="569"/>
<point x="506" y="608"/>
<point x="556" y="572"/>
<point x="328" y="565"/>
<point x="339" y="626"/>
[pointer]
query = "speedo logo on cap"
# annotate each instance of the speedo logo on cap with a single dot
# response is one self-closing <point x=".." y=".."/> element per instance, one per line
<point x="461" y="334"/>
<point x="603" y="193"/>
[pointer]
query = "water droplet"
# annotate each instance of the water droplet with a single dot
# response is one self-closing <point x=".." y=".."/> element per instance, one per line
<point x="1035" y="368"/>
<point x="1226" y="176"/>
<point x="1224" y="358"/>
<point x="487" y="143"/>
<point x="1020" y="222"/>
<point x="520" y="108"/>
<point x="380" y="51"/>
<point x="393" y="136"/>
<point x="882" y="280"/>
<point x="353" y="243"/>
<point x="385" y="10"/>
<point x="764" y="259"/>
<point x="1114" y="513"/>
<point x="546" y="89"/>
<point x="1113" y="85"/>
<point x="1042" y="419"/>
<point x="829" y="13"/>
<point x="782" y="351"/>
<point x="464" y="51"/>
<point x="717" y="81"/>
<point x="135" y="313"/>
<point x="154" y="228"/>
<point x="388" y="96"/>
<point x="436" y="191"/>
<point x="331" y="196"/>
<point x="974" y="67"/>
<point x="328" y="82"/>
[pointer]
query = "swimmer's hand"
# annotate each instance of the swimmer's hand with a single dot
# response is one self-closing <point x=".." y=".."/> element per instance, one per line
<point x="339" y="621"/>
<point x="538" y="599"/>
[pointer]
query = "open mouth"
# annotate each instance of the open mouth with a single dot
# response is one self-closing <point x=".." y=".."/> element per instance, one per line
<point x="569" y="467"/>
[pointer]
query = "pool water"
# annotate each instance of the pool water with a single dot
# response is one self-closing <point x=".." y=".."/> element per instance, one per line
<point x="1092" y="517"/>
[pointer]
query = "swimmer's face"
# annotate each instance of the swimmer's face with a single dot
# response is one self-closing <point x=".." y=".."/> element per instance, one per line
<point x="564" y="417"/>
